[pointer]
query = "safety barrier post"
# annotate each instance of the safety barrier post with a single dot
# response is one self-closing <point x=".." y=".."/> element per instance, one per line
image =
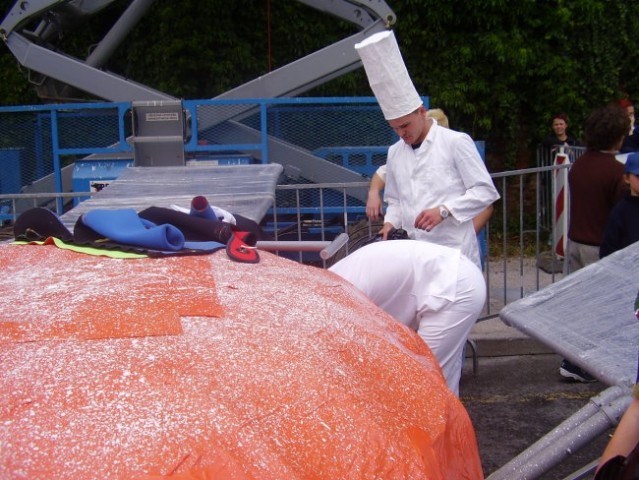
<point x="560" y="203"/>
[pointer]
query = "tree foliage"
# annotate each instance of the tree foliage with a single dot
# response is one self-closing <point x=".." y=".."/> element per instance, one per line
<point x="499" y="68"/>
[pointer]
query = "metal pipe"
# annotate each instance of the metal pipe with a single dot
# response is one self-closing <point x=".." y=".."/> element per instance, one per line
<point x="602" y="412"/>
<point x="326" y="249"/>
<point x="118" y="32"/>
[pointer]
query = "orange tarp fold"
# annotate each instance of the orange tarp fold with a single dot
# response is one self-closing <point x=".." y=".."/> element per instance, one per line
<point x="47" y="292"/>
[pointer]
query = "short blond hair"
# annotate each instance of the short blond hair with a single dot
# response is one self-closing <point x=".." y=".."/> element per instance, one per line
<point x="439" y="115"/>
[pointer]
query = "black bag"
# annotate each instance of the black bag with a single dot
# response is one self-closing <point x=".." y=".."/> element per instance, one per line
<point x="393" y="234"/>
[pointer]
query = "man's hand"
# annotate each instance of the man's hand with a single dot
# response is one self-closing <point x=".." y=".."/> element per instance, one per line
<point x="428" y="219"/>
<point x="385" y="229"/>
<point x="374" y="205"/>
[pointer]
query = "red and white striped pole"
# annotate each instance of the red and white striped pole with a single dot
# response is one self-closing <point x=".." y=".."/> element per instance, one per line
<point x="560" y="196"/>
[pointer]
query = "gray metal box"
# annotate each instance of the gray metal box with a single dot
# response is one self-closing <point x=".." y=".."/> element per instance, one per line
<point x="158" y="133"/>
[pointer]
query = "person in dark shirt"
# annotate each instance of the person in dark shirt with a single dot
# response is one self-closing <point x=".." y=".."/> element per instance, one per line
<point x="622" y="227"/>
<point x="631" y="142"/>
<point x="559" y="135"/>
<point x="596" y="184"/>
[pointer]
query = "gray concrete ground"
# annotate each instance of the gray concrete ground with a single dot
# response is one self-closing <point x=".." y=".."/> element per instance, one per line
<point x="516" y="396"/>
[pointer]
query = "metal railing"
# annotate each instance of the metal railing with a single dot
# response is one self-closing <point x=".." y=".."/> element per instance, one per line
<point x="517" y="251"/>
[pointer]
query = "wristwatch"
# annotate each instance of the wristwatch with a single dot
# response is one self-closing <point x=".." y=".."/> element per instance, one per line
<point x="443" y="212"/>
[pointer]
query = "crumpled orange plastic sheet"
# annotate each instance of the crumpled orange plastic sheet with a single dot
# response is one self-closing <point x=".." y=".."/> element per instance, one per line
<point x="269" y="371"/>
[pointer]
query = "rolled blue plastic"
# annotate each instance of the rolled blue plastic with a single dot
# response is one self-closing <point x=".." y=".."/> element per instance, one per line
<point x="126" y="227"/>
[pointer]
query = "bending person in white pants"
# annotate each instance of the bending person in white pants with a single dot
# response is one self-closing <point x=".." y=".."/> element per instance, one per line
<point x="431" y="288"/>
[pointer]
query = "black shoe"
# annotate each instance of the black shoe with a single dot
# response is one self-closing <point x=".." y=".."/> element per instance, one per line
<point x="569" y="370"/>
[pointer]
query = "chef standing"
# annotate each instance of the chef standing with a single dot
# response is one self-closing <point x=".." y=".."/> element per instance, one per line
<point x="436" y="180"/>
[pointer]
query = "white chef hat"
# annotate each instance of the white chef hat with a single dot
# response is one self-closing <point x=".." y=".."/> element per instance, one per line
<point x="387" y="75"/>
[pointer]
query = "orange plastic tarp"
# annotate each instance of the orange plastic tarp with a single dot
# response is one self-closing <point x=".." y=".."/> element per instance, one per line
<point x="49" y="292"/>
<point x="272" y="370"/>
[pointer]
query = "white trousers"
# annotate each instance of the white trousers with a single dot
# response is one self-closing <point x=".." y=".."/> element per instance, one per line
<point x="446" y="330"/>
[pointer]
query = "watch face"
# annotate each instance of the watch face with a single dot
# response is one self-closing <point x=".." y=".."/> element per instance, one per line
<point x="443" y="212"/>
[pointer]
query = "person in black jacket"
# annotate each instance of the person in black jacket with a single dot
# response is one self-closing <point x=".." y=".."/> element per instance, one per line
<point x="631" y="140"/>
<point x="622" y="226"/>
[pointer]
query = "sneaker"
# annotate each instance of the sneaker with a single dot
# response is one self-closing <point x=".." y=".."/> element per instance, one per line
<point x="569" y="370"/>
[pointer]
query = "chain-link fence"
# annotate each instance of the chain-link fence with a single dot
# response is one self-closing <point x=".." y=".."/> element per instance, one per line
<point x="39" y="146"/>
